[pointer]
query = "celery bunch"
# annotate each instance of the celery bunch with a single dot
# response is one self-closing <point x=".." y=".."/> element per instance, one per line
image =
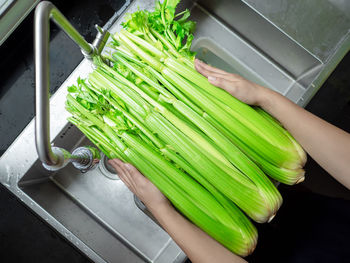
<point x="120" y="132"/>
<point x="205" y="150"/>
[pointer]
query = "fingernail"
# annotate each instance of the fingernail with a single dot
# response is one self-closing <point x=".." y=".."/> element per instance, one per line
<point x="211" y="79"/>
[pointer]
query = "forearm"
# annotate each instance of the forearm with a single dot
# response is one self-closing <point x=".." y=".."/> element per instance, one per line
<point x="197" y="245"/>
<point x="328" y="145"/>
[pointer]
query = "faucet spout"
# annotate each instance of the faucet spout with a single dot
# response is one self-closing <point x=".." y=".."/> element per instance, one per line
<point x="44" y="12"/>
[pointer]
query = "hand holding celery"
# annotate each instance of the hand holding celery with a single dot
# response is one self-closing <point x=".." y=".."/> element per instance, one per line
<point x="242" y="89"/>
<point x="205" y="150"/>
<point x="197" y="245"/>
<point x="148" y="193"/>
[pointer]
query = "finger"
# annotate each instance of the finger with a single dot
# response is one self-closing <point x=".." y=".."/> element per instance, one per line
<point x="127" y="178"/>
<point x="122" y="166"/>
<point x="228" y="77"/>
<point x="205" y="66"/>
<point x="130" y="175"/>
<point x="126" y="182"/>
<point x="138" y="178"/>
<point x="135" y="174"/>
<point x="121" y="171"/>
<point x="116" y="166"/>
<point x="206" y="72"/>
<point x="229" y="86"/>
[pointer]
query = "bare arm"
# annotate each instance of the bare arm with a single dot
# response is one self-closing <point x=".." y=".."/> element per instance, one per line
<point x="328" y="145"/>
<point x="197" y="245"/>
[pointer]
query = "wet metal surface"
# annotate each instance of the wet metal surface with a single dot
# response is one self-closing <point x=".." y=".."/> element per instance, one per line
<point x="75" y="204"/>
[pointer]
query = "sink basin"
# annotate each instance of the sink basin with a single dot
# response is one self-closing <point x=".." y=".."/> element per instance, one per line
<point x="100" y="212"/>
<point x="97" y="214"/>
<point x="94" y="210"/>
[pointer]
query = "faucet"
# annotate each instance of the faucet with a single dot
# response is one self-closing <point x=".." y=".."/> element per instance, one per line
<point x="55" y="158"/>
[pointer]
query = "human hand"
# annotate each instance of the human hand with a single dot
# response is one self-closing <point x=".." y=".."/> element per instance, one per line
<point x="242" y="89"/>
<point x="143" y="188"/>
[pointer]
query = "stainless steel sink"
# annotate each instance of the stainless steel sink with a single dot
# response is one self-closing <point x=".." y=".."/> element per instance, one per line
<point x="286" y="45"/>
<point x="100" y="212"/>
<point x="97" y="213"/>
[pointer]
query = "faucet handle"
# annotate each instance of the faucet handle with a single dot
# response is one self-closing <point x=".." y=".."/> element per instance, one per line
<point x="99" y="29"/>
<point x="101" y="39"/>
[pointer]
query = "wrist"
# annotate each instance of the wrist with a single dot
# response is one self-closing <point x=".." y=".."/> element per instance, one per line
<point x="160" y="208"/>
<point x="266" y="98"/>
<point x="165" y="214"/>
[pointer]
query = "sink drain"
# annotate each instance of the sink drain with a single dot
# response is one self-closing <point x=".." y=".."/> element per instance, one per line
<point x="107" y="169"/>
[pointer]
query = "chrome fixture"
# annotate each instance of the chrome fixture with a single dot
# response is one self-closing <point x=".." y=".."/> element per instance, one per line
<point x="99" y="216"/>
<point x="55" y="158"/>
